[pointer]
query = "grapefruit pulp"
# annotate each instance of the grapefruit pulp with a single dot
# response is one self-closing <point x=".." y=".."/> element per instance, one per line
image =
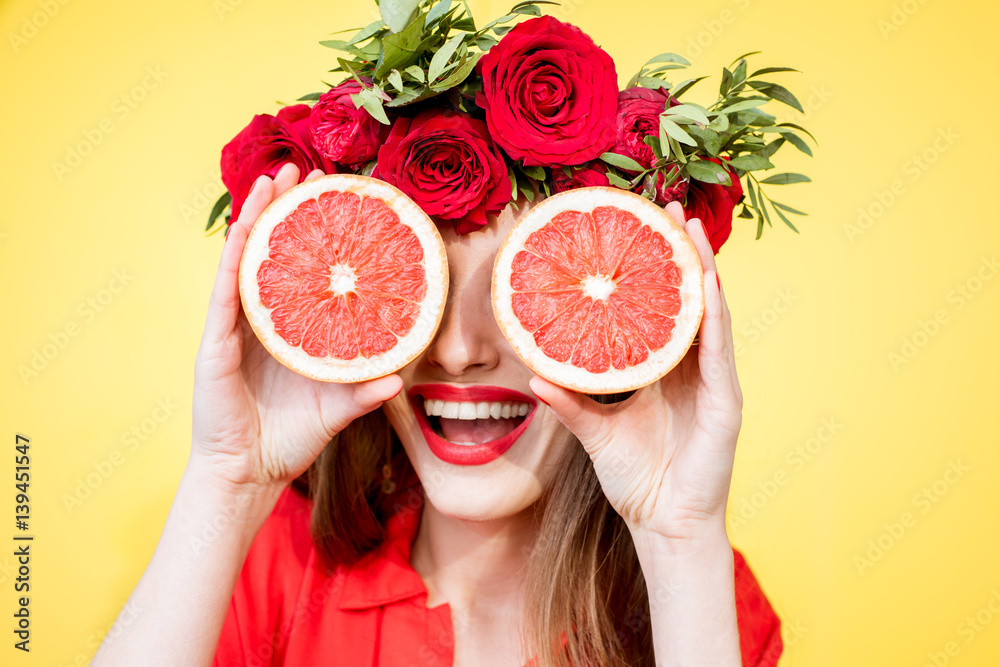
<point x="598" y="290"/>
<point x="344" y="278"/>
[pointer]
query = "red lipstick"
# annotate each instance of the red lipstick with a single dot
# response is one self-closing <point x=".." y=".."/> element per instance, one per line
<point x="467" y="455"/>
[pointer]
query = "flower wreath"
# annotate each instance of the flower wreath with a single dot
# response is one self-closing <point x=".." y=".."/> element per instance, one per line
<point x="462" y="119"/>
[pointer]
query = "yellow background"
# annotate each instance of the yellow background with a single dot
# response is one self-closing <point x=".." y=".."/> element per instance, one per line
<point x="817" y="315"/>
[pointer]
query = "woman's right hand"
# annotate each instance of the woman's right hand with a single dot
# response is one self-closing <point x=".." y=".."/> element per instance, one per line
<point x="255" y="421"/>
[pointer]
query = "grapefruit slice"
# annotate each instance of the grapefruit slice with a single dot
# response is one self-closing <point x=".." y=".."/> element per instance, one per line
<point x="598" y="290"/>
<point x="344" y="278"/>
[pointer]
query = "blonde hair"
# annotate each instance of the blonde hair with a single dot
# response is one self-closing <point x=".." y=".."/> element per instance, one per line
<point x="583" y="584"/>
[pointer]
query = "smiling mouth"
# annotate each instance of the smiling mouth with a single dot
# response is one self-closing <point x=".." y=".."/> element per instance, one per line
<point x="473" y="422"/>
<point x="470" y="425"/>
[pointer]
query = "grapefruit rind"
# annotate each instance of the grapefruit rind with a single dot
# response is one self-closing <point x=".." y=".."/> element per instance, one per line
<point x="330" y="369"/>
<point x="565" y="374"/>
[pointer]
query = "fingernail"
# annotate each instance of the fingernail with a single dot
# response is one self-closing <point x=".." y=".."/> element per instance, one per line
<point x="542" y="400"/>
<point x="718" y="282"/>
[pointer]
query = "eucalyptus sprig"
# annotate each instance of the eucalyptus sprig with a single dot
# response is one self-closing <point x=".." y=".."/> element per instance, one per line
<point x="734" y="126"/>
<point x="418" y="50"/>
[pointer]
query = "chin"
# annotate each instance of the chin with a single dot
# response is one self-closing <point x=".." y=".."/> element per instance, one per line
<point x="504" y="486"/>
<point x="498" y="490"/>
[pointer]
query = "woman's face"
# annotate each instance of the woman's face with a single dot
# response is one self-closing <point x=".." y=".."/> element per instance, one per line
<point x="474" y="461"/>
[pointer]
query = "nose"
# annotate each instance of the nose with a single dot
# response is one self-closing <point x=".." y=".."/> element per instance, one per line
<point x="467" y="341"/>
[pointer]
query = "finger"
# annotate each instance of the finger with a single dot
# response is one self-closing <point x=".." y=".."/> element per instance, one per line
<point x="580" y="414"/>
<point x="224" y="303"/>
<point x="369" y="395"/>
<point x="696" y="230"/>
<point x="728" y="323"/>
<point x="286" y="177"/>
<point x="315" y="173"/>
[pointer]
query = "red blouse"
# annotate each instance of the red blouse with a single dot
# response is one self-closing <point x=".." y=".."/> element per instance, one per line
<point x="286" y="610"/>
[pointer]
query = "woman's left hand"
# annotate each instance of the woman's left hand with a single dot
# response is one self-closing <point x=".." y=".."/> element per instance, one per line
<point x="664" y="457"/>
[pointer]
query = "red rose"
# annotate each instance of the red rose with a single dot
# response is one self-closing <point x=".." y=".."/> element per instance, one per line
<point x="638" y="117"/>
<point x="663" y="194"/>
<point x="340" y="131"/>
<point x="263" y="146"/>
<point x="550" y="94"/>
<point x="713" y="204"/>
<point x="448" y="164"/>
<point x="595" y="173"/>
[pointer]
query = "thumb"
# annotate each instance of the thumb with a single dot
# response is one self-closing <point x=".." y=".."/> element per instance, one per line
<point x="371" y="394"/>
<point x="582" y="415"/>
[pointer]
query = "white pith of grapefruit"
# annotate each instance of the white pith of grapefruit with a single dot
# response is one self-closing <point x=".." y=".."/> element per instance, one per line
<point x="372" y="269"/>
<point x="608" y="293"/>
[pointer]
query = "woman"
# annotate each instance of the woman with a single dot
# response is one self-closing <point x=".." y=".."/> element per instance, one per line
<point x="611" y="553"/>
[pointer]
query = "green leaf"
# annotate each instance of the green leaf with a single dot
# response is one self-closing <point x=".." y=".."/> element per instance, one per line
<point x="311" y="97"/>
<point x="399" y="50"/>
<point x="654" y="143"/>
<point x="416" y="73"/>
<point x="800" y="129"/>
<point x="768" y="70"/>
<point x="651" y="82"/>
<point x="770" y="149"/>
<point x="745" y="213"/>
<point x="739" y="75"/>
<point x="220" y="206"/>
<point x="786" y="179"/>
<point x="437" y="11"/>
<point x="460" y="74"/>
<point x="622" y="162"/>
<point x="720" y="123"/>
<point x="372" y="103"/>
<point x="692" y="111"/>
<point x="537" y="173"/>
<point x="799" y="143"/>
<point x="618" y="181"/>
<point x="485" y="42"/>
<point x="397" y="14"/>
<point x="785" y="207"/>
<point x="745" y="55"/>
<point x="751" y="162"/>
<point x="442" y="57"/>
<point x="708" y="172"/>
<point x="684" y="86"/>
<point x="727" y="81"/>
<point x="742" y="105"/>
<point x="710" y="139"/>
<point x="367" y="32"/>
<point x="340" y="45"/>
<point x="674" y="130"/>
<point x="513" y="183"/>
<point x="753" y="196"/>
<point x="779" y="93"/>
<point x="669" y="58"/>
<point x="785" y="219"/>
<point x="396" y="79"/>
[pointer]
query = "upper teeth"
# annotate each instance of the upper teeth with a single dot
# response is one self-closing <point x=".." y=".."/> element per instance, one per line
<point x="468" y="410"/>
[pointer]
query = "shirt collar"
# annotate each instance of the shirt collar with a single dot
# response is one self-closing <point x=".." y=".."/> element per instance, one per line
<point x="385" y="575"/>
